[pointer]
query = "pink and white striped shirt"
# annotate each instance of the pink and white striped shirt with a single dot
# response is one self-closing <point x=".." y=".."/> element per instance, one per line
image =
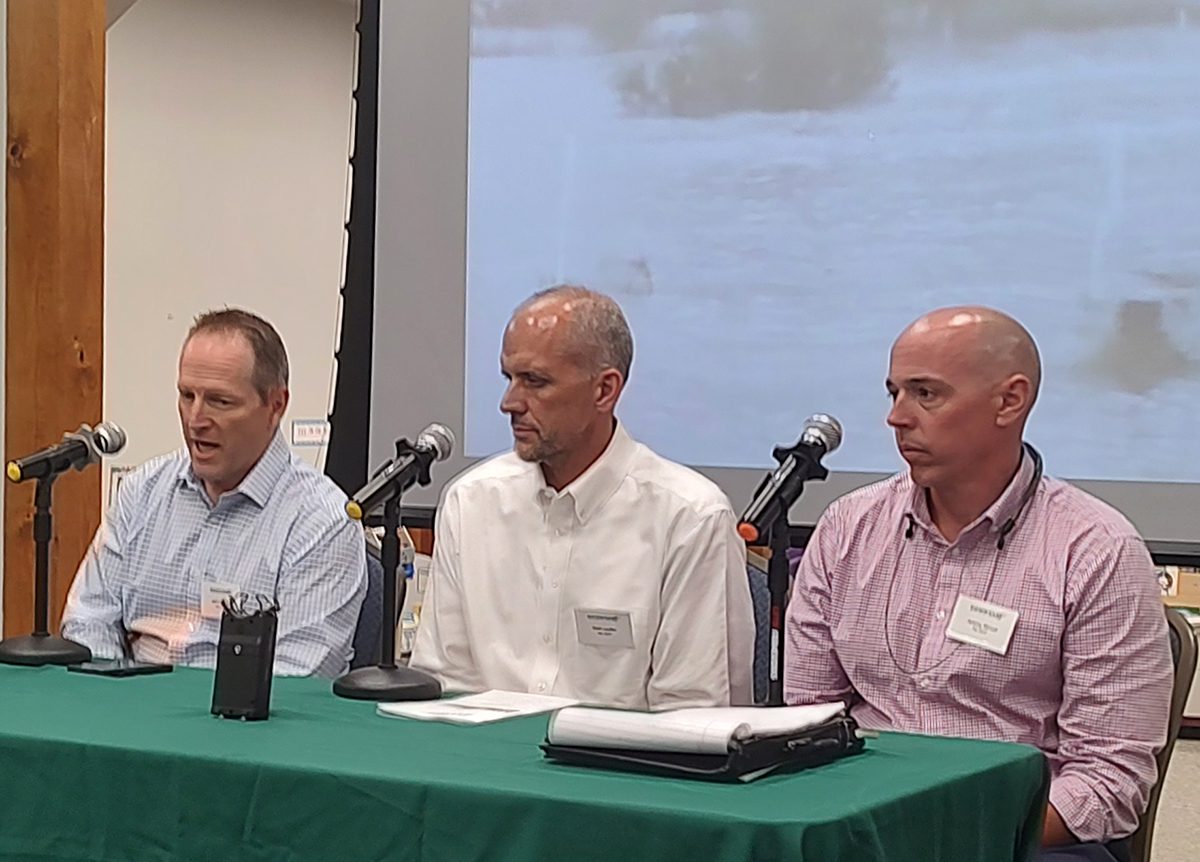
<point x="1087" y="675"/>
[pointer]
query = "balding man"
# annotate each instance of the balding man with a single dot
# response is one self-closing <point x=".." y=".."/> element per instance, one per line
<point x="582" y="564"/>
<point x="972" y="596"/>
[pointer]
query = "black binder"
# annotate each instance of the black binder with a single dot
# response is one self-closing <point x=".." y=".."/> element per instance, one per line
<point x="746" y="759"/>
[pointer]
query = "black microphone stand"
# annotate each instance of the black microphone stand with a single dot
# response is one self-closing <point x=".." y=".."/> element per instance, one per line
<point x="388" y="681"/>
<point x="41" y="647"/>
<point x="778" y="541"/>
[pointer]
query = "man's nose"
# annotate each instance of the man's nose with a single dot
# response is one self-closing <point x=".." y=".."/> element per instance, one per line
<point x="899" y="416"/>
<point x="195" y="415"/>
<point x="510" y="403"/>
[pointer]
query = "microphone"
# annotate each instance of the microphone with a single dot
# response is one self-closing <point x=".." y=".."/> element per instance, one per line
<point x="77" y="449"/>
<point x="775" y="496"/>
<point x="411" y="465"/>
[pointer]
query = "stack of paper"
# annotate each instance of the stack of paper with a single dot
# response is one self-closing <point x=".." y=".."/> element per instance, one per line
<point x="694" y="731"/>
<point x="476" y="708"/>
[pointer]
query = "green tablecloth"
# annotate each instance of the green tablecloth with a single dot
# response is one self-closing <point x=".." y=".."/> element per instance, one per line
<point x="136" y="769"/>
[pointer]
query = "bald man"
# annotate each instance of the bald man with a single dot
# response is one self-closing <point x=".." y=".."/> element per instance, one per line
<point x="582" y="564"/>
<point x="973" y="596"/>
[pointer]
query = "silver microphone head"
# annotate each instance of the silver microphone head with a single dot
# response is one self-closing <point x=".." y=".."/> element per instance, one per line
<point x="438" y="439"/>
<point x="109" y="438"/>
<point x="822" y="429"/>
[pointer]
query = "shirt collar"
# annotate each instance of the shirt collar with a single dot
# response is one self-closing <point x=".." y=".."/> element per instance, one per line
<point x="1006" y="506"/>
<point x="598" y="482"/>
<point x="259" y="482"/>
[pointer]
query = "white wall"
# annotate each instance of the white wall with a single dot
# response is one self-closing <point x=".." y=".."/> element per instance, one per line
<point x="228" y="136"/>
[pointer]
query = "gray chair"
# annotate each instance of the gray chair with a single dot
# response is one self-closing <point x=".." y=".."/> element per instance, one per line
<point x="760" y="597"/>
<point x="1183" y="652"/>
<point x="366" y="631"/>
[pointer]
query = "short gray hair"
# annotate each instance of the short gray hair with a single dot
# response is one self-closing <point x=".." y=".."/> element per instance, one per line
<point x="599" y="332"/>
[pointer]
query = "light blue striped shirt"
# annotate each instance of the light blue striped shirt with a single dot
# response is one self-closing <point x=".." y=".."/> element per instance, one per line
<point x="283" y="533"/>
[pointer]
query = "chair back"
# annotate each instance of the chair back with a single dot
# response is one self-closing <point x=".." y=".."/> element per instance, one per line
<point x="760" y="597"/>
<point x="366" y="631"/>
<point x="1183" y="653"/>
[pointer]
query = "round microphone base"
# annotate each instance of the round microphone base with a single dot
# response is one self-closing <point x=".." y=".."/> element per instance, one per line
<point x="387" y="684"/>
<point x="36" y="650"/>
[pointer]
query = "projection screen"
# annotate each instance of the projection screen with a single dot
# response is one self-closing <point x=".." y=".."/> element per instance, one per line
<point x="772" y="189"/>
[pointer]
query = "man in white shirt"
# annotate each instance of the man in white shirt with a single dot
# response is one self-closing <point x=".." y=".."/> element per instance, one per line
<point x="582" y="564"/>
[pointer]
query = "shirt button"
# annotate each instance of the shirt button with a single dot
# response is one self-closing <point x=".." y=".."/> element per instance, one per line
<point x="554" y="585"/>
<point x="560" y="532"/>
<point x="541" y="686"/>
<point x="941" y="615"/>
<point x="922" y="683"/>
<point x="546" y="639"/>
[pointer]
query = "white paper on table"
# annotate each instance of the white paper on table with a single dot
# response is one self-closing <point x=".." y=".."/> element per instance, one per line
<point x="694" y="731"/>
<point x="476" y="708"/>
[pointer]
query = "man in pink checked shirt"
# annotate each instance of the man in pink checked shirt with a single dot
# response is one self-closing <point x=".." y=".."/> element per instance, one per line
<point x="972" y="596"/>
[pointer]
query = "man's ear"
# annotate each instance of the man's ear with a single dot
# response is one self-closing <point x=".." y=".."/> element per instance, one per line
<point x="608" y="389"/>
<point x="277" y="400"/>
<point x="1015" y="396"/>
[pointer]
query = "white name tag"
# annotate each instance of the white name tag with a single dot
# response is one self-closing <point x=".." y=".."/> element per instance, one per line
<point x="982" y="624"/>
<point x="211" y="596"/>
<point x="604" y="628"/>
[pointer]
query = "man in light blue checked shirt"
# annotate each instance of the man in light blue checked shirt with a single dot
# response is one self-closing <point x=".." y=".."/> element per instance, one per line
<point x="233" y="511"/>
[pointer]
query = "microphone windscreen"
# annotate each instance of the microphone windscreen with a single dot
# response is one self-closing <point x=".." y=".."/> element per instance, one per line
<point x="109" y="437"/>
<point x="823" y="429"/>
<point x="438" y="439"/>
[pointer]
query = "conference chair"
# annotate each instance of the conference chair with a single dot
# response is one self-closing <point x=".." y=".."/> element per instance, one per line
<point x="760" y="597"/>
<point x="366" y="631"/>
<point x="1183" y="652"/>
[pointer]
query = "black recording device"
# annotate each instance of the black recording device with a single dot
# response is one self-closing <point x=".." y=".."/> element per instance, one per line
<point x="245" y="658"/>
<point x="119" y="667"/>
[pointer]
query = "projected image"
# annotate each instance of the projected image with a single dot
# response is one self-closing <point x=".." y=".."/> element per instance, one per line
<point x="773" y="188"/>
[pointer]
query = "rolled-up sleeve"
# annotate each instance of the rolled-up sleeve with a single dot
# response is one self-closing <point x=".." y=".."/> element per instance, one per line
<point x="320" y="594"/>
<point x="1117" y="678"/>
<point x="813" y="672"/>
<point x="94" y="615"/>
<point x="703" y="652"/>
<point x="443" y="645"/>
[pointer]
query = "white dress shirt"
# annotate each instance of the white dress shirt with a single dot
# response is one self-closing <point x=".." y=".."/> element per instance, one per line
<point x="647" y="542"/>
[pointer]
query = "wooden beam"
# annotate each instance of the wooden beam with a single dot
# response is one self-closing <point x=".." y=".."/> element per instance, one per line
<point x="54" y="323"/>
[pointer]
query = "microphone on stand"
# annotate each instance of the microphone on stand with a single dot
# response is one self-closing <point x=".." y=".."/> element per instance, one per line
<point x="411" y="465"/>
<point x="821" y="435"/>
<point x="387" y="682"/>
<point x="77" y="450"/>
<point x="767" y="515"/>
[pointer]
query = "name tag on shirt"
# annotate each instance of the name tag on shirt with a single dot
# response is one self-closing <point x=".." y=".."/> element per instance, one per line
<point x="982" y="624"/>
<point x="604" y="628"/>
<point x="212" y="594"/>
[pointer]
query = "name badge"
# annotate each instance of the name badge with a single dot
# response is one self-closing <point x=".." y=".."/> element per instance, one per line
<point x="211" y="596"/>
<point x="982" y="624"/>
<point x="604" y="628"/>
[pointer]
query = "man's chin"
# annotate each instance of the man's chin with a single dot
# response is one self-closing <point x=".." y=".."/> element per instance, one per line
<point x="534" y="453"/>
<point x="205" y="469"/>
<point x="921" y="474"/>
